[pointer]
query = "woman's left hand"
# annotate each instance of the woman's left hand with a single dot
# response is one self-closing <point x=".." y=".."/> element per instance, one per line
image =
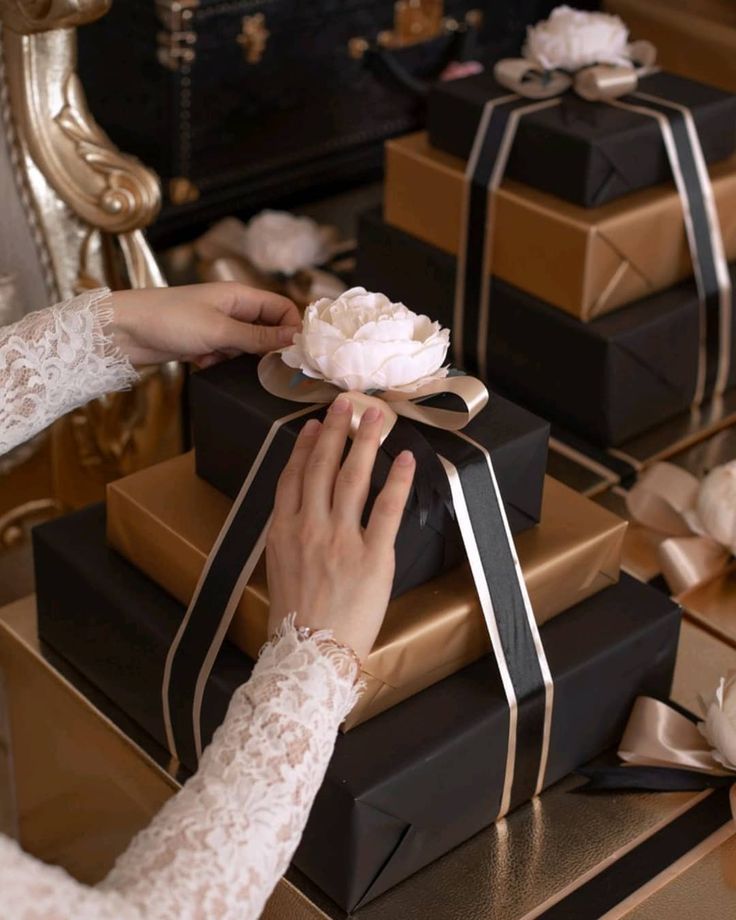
<point x="201" y="323"/>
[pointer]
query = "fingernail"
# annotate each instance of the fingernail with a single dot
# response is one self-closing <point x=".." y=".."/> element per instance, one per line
<point x="371" y="414"/>
<point x="405" y="458"/>
<point x="312" y="427"/>
<point x="340" y="405"/>
<point x="286" y="334"/>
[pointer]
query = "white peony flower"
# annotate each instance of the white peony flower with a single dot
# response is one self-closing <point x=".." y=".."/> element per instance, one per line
<point x="279" y="242"/>
<point x="719" y="727"/>
<point x="362" y="341"/>
<point x="714" y="514"/>
<point x="572" y="39"/>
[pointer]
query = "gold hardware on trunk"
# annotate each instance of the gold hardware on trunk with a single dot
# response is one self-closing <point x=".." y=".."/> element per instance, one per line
<point x="415" y="21"/>
<point x="182" y="191"/>
<point x="177" y="40"/>
<point x="253" y="37"/>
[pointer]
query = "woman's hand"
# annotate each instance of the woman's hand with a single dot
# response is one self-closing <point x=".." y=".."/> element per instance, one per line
<point x="322" y="564"/>
<point x="201" y="323"/>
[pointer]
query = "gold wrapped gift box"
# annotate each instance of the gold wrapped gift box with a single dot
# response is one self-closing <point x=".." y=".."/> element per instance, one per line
<point x="587" y="261"/>
<point x="695" y="38"/>
<point x="165" y="520"/>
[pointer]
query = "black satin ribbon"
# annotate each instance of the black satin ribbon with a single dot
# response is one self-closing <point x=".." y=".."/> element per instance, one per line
<point x="490" y="147"/>
<point x="610" y="887"/>
<point x="652" y="779"/>
<point x="215" y="593"/>
<point x="430" y="482"/>
<point x="704" y="255"/>
<point x="504" y="581"/>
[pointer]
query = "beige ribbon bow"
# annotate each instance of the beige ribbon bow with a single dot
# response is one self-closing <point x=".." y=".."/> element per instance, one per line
<point x="664" y="500"/>
<point x="658" y="736"/>
<point x="221" y="257"/>
<point x="596" y="83"/>
<point x="286" y="383"/>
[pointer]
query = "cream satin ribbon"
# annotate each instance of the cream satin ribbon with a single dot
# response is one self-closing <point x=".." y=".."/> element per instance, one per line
<point x="658" y="736"/>
<point x="663" y="500"/>
<point x="596" y="83"/>
<point x="279" y="380"/>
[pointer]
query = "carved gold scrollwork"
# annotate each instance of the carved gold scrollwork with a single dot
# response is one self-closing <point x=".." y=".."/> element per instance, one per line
<point x="27" y="16"/>
<point x="104" y="187"/>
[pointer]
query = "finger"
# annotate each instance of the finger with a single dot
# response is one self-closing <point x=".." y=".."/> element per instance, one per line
<point x="324" y="463"/>
<point x="205" y="361"/>
<point x="234" y="337"/>
<point x="289" y="489"/>
<point x="389" y="506"/>
<point x="253" y="306"/>
<point x="353" y="480"/>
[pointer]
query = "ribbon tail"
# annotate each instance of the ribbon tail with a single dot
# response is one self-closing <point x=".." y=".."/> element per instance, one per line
<point x="648" y="779"/>
<point x="430" y="482"/>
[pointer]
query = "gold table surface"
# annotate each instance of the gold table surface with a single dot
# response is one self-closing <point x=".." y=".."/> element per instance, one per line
<point x="84" y="788"/>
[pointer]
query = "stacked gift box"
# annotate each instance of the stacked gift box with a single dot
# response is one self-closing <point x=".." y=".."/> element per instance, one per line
<point x="421" y="764"/>
<point x="593" y="316"/>
<point x="77" y="753"/>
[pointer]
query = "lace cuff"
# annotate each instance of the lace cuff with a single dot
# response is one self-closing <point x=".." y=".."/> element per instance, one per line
<point x="55" y="360"/>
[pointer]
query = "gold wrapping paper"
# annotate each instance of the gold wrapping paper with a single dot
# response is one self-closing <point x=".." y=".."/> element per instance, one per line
<point x="165" y="520"/>
<point x="83" y="789"/>
<point x="695" y="38"/>
<point x="74" y="752"/>
<point x="587" y="261"/>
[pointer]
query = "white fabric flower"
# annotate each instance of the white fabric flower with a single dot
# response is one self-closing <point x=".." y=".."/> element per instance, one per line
<point x="719" y="727"/>
<point x="572" y="39"/>
<point x="362" y="341"/>
<point x="276" y="241"/>
<point x="714" y="514"/>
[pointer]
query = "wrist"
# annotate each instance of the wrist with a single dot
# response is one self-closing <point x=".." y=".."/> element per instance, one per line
<point x="120" y="328"/>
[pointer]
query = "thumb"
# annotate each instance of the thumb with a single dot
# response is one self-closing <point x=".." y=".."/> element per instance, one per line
<point x="253" y="339"/>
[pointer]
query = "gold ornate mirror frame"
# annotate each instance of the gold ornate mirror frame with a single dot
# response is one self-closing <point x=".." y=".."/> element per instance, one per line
<point x="87" y="205"/>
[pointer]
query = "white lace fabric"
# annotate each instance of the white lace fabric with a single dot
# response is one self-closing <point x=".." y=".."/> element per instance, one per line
<point x="218" y="847"/>
<point x="55" y="360"/>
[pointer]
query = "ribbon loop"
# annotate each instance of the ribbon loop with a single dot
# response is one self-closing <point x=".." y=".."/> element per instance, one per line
<point x="282" y="381"/>
<point x="658" y="736"/>
<point x="663" y="500"/>
<point x="527" y="79"/>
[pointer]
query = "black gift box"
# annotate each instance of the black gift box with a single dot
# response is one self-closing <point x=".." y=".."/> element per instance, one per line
<point x="232" y="414"/>
<point x="607" y="380"/>
<point x="412" y="783"/>
<point x="586" y="152"/>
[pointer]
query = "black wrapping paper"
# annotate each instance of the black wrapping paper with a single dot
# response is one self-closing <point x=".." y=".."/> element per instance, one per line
<point x="607" y="380"/>
<point x="231" y="416"/>
<point x="412" y="783"/>
<point x="586" y="152"/>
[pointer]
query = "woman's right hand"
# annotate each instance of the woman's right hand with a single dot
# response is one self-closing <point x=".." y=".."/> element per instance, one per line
<point x="322" y="564"/>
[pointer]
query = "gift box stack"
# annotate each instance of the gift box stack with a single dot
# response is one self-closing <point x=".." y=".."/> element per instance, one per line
<point x="579" y="277"/>
<point x="435" y="750"/>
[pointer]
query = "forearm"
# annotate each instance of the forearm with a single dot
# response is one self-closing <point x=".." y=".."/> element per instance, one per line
<point x="219" y="847"/>
<point x="55" y="360"/>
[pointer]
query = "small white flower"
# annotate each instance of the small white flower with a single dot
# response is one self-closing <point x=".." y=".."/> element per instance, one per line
<point x="719" y="727"/>
<point x="714" y="514"/>
<point x="362" y="341"/>
<point x="279" y="242"/>
<point x="572" y="39"/>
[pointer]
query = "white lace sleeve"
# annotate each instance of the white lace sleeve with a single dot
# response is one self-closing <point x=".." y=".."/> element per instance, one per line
<point x="55" y="360"/>
<point x="217" y="849"/>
